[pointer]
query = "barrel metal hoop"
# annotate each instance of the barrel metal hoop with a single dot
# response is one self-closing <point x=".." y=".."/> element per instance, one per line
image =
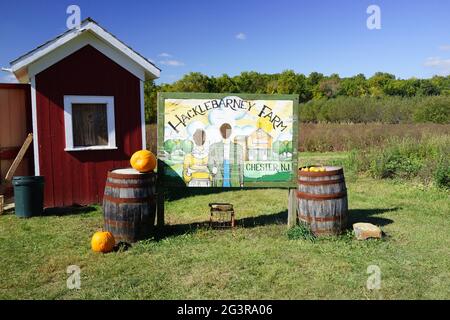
<point x="320" y="183"/>
<point x="309" y="196"/>
<point x="128" y="200"/>
<point x="337" y="217"/>
<point x="109" y="222"/>
<point x="121" y="237"/>
<point x="124" y="185"/>
<point x="321" y="174"/>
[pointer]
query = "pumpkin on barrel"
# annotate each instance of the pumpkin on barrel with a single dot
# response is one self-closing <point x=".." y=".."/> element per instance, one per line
<point x="143" y="161"/>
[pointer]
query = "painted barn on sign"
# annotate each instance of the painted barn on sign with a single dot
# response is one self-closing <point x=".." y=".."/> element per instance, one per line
<point x="87" y="101"/>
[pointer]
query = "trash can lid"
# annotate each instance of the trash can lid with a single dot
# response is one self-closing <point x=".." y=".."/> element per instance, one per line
<point x="28" y="179"/>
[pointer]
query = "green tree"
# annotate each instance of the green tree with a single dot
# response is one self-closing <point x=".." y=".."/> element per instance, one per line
<point x="356" y="86"/>
<point x="224" y="84"/>
<point x="291" y="83"/>
<point x="328" y="88"/>
<point x="193" y="82"/>
<point x="150" y="97"/>
<point x="314" y="79"/>
<point x="378" y="82"/>
<point x="251" y="82"/>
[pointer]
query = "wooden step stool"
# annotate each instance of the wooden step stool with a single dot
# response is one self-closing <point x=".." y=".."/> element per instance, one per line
<point x="222" y="215"/>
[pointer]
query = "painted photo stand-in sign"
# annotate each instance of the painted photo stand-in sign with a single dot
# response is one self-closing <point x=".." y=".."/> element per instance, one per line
<point x="227" y="140"/>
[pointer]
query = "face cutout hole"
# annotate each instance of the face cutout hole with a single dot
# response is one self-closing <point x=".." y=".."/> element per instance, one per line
<point x="225" y="130"/>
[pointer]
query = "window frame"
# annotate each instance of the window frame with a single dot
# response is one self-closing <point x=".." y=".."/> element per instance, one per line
<point x="110" y="119"/>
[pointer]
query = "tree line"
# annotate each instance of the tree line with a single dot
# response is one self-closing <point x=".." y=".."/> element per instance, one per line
<point x="382" y="97"/>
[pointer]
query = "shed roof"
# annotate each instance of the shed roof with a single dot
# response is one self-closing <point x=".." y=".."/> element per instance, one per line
<point x="21" y="65"/>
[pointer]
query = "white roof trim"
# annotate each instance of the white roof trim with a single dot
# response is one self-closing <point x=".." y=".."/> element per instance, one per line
<point x="17" y="66"/>
<point x="86" y="38"/>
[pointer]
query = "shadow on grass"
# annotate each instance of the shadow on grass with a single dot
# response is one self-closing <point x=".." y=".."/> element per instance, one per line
<point x="249" y="222"/>
<point x="367" y="215"/>
<point x="263" y="220"/>
<point x="67" y="211"/>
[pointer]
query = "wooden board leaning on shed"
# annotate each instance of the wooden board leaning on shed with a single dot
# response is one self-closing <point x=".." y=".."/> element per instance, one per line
<point x="19" y="157"/>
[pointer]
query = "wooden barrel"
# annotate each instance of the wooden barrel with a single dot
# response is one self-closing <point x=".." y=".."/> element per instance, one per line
<point x="322" y="201"/>
<point x="129" y="204"/>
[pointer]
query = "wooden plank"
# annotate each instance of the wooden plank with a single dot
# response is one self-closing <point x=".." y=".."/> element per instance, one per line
<point x="5" y="124"/>
<point x="221" y="206"/>
<point x="292" y="208"/>
<point x="19" y="157"/>
<point x="17" y="117"/>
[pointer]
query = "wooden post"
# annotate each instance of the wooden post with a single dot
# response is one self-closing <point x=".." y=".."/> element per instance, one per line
<point x="292" y="208"/>
<point x="1" y="203"/>
<point x="160" y="191"/>
<point x="160" y="209"/>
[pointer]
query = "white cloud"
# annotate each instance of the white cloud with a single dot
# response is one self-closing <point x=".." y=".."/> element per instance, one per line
<point x="442" y="65"/>
<point x="165" y="55"/>
<point x="445" y="47"/>
<point x="172" y="63"/>
<point x="8" y="78"/>
<point x="241" y="36"/>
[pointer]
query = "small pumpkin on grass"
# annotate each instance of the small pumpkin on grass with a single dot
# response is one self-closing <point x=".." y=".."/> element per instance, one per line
<point x="103" y="241"/>
<point x="143" y="161"/>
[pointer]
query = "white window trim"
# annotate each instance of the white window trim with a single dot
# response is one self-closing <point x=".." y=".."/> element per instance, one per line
<point x="109" y="101"/>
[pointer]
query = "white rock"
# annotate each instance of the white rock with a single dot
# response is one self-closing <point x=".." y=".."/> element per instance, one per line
<point x="364" y="231"/>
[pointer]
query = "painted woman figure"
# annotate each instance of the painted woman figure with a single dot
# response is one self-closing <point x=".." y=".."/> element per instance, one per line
<point x="195" y="165"/>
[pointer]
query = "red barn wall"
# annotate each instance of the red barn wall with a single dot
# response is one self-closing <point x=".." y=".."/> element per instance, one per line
<point x="78" y="177"/>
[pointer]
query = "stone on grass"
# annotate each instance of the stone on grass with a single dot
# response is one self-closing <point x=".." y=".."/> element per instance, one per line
<point x="365" y="231"/>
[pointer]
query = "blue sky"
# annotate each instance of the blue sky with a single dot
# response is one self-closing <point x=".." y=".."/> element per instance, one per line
<point x="215" y="37"/>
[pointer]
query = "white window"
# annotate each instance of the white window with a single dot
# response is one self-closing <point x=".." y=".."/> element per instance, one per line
<point x="89" y="123"/>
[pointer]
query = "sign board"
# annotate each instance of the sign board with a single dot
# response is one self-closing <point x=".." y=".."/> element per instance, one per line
<point x="227" y="140"/>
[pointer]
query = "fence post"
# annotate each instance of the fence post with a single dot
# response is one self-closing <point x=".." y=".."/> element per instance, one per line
<point x="292" y="208"/>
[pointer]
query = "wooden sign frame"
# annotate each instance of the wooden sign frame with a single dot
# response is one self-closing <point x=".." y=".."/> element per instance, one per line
<point x="162" y="96"/>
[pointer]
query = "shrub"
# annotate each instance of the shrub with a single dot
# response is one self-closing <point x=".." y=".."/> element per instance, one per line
<point x="433" y="109"/>
<point x="301" y="231"/>
<point x="442" y="173"/>
<point x="426" y="158"/>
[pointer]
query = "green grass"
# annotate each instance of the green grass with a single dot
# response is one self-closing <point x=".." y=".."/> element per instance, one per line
<point x="257" y="260"/>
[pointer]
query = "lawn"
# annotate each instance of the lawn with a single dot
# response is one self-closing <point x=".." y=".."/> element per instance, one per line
<point x="254" y="261"/>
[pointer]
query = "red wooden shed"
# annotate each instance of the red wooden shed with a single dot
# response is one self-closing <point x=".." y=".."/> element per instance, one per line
<point x="87" y="101"/>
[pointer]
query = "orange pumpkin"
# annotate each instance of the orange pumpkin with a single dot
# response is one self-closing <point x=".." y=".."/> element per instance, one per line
<point x="103" y="241"/>
<point x="143" y="161"/>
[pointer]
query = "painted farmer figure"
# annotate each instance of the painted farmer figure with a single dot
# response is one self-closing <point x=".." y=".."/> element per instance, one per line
<point x="195" y="165"/>
<point x="225" y="161"/>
